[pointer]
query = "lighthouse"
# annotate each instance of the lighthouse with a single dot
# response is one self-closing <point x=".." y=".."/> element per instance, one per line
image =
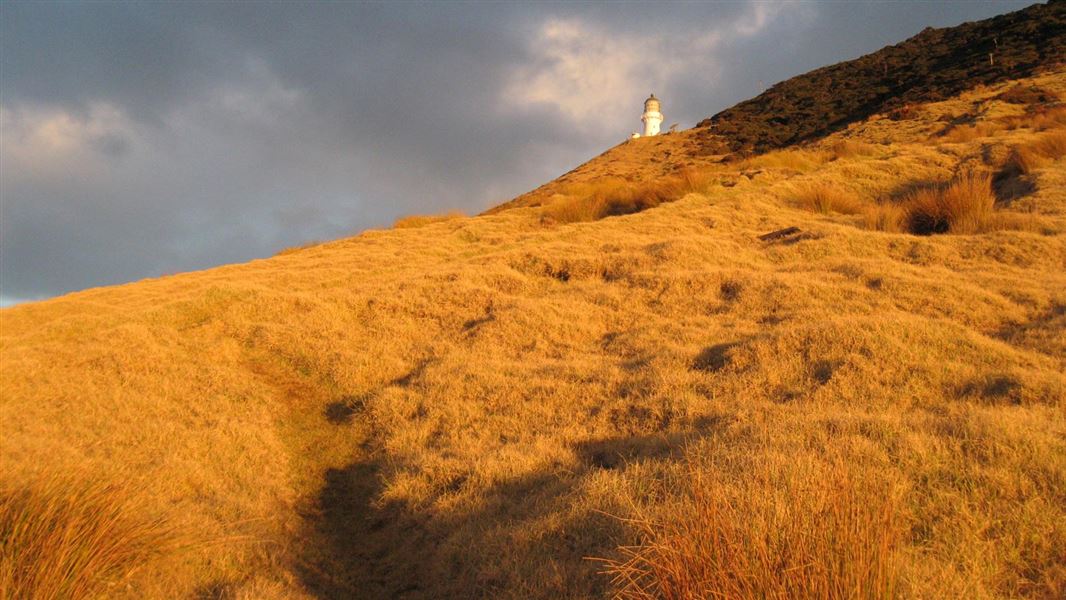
<point x="651" y="118"/>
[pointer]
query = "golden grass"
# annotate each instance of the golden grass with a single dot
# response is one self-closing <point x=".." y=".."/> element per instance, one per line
<point x="467" y="410"/>
<point x="614" y="196"/>
<point x="969" y="133"/>
<point x="62" y="538"/>
<point x="1049" y="118"/>
<point x="828" y="198"/>
<point x="1041" y="118"/>
<point x="888" y="217"/>
<point x="786" y="532"/>
<point x="795" y="159"/>
<point x="850" y="148"/>
<point x="963" y="205"/>
<point x="299" y="247"/>
<point x="1039" y="153"/>
<point x="416" y="221"/>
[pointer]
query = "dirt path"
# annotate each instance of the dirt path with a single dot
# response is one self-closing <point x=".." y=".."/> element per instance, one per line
<point x="343" y="543"/>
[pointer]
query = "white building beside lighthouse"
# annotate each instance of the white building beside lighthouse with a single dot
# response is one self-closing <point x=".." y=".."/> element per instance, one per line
<point x="651" y="118"/>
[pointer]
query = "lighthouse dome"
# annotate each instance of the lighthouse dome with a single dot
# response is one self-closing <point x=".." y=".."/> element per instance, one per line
<point x="651" y="104"/>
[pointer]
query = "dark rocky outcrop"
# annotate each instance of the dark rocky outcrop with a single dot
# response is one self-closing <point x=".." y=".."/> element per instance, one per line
<point x="936" y="64"/>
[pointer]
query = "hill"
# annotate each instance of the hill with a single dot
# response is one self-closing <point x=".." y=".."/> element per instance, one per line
<point x="563" y="401"/>
<point x="934" y="65"/>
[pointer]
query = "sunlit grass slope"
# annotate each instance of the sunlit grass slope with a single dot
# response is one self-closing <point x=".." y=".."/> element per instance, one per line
<point x="659" y="404"/>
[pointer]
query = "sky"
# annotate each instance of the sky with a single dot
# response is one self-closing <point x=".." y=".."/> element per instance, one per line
<point x="142" y="139"/>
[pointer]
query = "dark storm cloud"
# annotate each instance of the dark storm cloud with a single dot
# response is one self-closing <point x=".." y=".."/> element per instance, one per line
<point x="141" y="139"/>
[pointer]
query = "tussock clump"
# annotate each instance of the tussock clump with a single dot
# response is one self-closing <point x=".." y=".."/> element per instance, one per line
<point x="796" y="534"/>
<point x="61" y="538"/>
<point x="887" y="217"/>
<point x="964" y="205"/>
<point x="827" y="198"/>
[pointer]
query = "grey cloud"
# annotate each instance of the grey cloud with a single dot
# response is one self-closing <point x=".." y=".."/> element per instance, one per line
<point x="203" y="133"/>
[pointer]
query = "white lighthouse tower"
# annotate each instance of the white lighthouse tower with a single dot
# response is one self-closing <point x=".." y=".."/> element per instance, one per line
<point x="651" y="118"/>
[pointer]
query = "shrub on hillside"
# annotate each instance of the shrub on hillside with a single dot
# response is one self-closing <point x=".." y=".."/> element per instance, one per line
<point x="66" y="539"/>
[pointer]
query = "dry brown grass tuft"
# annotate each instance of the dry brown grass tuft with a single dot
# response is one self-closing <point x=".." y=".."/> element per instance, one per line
<point x="963" y="205"/>
<point x="61" y="538"/>
<point x="851" y="148"/>
<point x="795" y="159"/>
<point x="1039" y="153"/>
<point x="416" y="221"/>
<point x="785" y="533"/>
<point x="1040" y="118"/>
<point x="887" y="217"/>
<point x="1050" y="118"/>
<point x="968" y="133"/>
<point x="827" y="198"/>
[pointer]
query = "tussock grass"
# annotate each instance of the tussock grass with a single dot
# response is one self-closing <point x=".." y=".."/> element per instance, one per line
<point x="828" y="198"/>
<point x="849" y="148"/>
<point x="1040" y="118"/>
<point x="963" y="205"/>
<point x="64" y="538"/>
<point x="416" y="221"/>
<point x="969" y="133"/>
<point x="785" y="532"/>
<point x="802" y="160"/>
<point x="888" y="217"/>
<point x="1050" y="118"/>
<point x="610" y="197"/>
<point x="1039" y="153"/>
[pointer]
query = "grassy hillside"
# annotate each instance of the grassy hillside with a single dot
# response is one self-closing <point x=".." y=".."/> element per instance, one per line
<point x="559" y="403"/>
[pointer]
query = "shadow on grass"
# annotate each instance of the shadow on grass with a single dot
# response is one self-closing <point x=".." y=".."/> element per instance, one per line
<point x="358" y="546"/>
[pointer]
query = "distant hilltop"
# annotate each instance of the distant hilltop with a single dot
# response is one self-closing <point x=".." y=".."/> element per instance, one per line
<point x="933" y="65"/>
